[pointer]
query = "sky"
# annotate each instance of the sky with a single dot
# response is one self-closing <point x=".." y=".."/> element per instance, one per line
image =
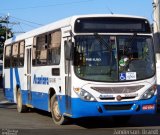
<point x="26" y="15"/>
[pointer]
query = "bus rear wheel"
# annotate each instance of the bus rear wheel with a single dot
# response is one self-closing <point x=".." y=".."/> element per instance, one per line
<point x="20" y="107"/>
<point x="57" y="117"/>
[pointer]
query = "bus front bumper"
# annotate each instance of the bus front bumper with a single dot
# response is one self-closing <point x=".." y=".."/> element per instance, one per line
<point x="80" y="108"/>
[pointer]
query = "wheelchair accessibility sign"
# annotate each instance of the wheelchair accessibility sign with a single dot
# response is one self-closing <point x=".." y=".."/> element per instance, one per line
<point x="128" y="76"/>
<point x="122" y="76"/>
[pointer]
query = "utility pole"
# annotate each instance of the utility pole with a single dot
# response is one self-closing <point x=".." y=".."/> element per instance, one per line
<point x="156" y="15"/>
<point x="7" y="21"/>
<point x="156" y="25"/>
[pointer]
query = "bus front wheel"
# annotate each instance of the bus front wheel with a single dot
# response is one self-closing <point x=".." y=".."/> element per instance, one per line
<point x="57" y="117"/>
<point x="20" y="107"/>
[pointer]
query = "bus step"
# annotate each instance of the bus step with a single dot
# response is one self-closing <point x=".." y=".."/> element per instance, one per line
<point x="68" y="115"/>
<point x="30" y="106"/>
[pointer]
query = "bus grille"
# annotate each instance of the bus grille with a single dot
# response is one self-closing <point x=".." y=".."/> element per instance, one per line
<point x="116" y="90"/>
<point x="118" y="107"/>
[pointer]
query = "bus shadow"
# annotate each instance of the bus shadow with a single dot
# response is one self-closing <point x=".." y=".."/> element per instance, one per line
<point x="8" y="105"/>
<point x="151" y="121"/>
<point x="40" y="112"/>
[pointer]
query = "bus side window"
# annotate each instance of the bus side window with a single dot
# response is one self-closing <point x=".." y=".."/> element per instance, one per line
<point x="15" y="55"/>
<point x="54" y="48"/>
<point x="7" y="59"/>
<point x="34" y="51"/>
<point x="21" y="53"/>
<point x="46" y="49"/>
<point x="41" y="50"/>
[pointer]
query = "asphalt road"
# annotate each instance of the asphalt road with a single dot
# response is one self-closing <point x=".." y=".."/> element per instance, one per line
<point x="40" y="122"/>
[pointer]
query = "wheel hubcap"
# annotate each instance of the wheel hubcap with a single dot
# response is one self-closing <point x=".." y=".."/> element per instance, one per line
<point x="56" y="111"/>
<point x="19" y="101"/>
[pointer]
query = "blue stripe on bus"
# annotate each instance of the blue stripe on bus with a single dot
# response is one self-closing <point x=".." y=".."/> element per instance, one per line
<point x="9" y="92"/>
<point x="17" y="77"/>
<point x="158" y="97"/>
<point x="39" y="100"/>
<point x="80" y="108"/>
<point x="11" y="78"/>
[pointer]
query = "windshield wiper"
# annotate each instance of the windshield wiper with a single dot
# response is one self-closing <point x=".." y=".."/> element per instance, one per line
<point x="131" y="40"/>
<point x="102" y="41"/>
<point x="108" y="46"/>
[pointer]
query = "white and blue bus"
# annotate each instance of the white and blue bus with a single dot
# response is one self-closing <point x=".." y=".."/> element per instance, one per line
<point x="83" y="66"/>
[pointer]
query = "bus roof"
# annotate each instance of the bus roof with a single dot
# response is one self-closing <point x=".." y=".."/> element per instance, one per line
<point x="61" y="23"/>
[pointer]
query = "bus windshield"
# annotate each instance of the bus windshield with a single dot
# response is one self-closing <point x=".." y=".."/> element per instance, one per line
<point x="114" y="58"/>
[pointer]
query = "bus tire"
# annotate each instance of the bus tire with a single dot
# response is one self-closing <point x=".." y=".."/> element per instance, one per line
<point x="57" y="117"/>
<point x="20" y="107"/>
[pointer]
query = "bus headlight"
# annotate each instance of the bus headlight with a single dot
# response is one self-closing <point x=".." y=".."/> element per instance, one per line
<point x="84" y="94"/>
<point x="149" y="93"/>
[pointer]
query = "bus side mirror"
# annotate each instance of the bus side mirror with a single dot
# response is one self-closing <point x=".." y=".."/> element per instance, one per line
<point x="69" y="50"/>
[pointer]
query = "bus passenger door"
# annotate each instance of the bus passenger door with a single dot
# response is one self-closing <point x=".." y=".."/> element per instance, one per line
<point x="29" y="74"/>
<point x="27" y="71"/>
<point x="68" y="82"/>
<point x="66" y="73"/>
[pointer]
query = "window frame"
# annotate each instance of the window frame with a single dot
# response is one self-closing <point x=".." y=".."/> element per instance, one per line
<point x="7" y="57"/>
<point x="47" y="49"/>
<point x="15" y="57"/>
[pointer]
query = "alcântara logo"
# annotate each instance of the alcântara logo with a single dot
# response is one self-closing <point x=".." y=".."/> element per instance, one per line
<point x="41" y="80"/>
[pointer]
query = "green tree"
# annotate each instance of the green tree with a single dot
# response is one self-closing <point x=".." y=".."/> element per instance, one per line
<point x="4" y="33"/>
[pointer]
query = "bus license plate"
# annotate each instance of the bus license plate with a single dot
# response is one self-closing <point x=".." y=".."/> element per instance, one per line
<point x="148" y="107"/>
